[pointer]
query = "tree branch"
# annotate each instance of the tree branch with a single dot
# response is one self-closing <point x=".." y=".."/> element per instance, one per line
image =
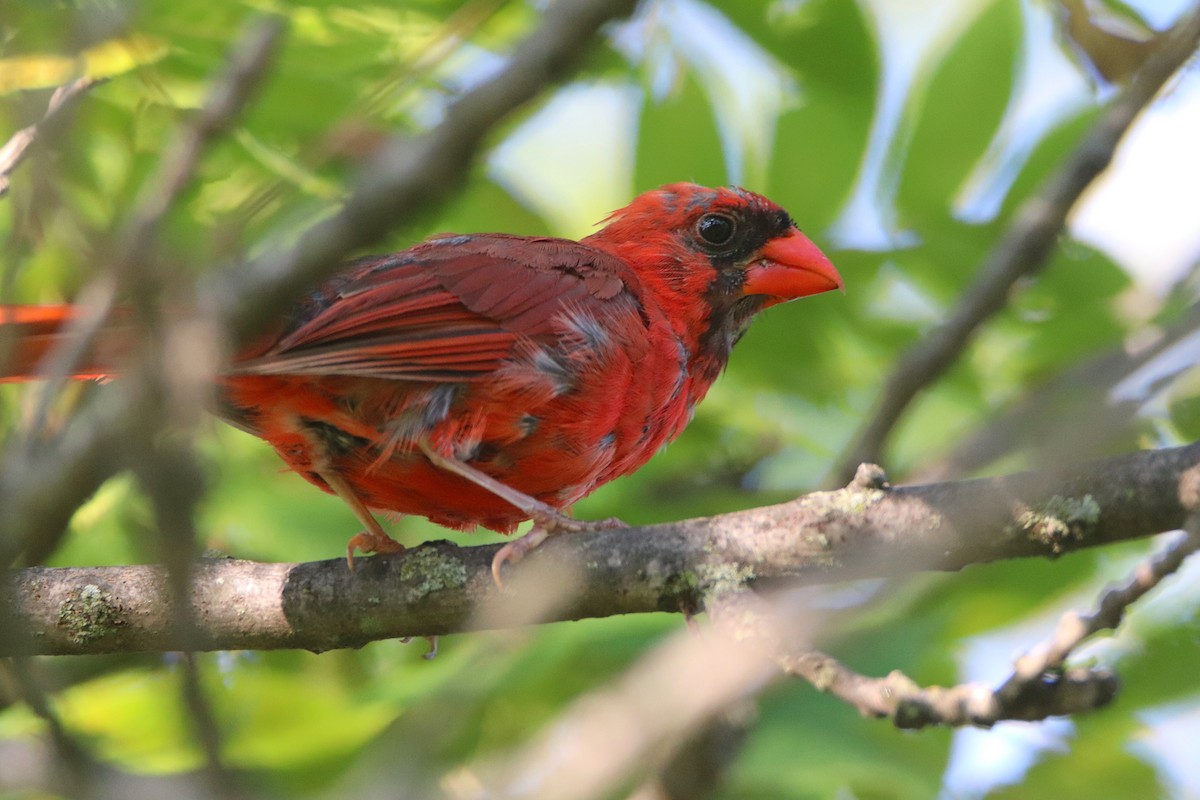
<point x="864" y="530"/>
<point x="1023" y="249"/>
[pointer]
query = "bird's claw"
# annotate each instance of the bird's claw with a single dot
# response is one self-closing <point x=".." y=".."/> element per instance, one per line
<point x="515" y="550"/>
<point x="370" y="542"/>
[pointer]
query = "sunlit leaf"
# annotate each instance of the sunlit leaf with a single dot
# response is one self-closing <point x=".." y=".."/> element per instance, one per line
<point x="103" y="60"/>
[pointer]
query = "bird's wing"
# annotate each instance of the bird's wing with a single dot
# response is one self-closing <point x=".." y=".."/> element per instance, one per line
<point x="450" y="309"/>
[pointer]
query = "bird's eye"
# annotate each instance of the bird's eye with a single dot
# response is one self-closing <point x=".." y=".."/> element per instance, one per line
<point x="715" y="229"/>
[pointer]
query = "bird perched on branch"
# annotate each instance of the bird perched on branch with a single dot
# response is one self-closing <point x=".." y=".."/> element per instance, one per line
<point x="488" y="379"/>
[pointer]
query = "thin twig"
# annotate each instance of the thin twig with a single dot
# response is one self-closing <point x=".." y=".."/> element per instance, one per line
<point x="1021" y="252"/>
<point x="1040" y="685"/>
<point x="1075" y="628"/>
<point x="908" y="705"/>
<point x="768" y="624"/>
<point x="17" y="148"/>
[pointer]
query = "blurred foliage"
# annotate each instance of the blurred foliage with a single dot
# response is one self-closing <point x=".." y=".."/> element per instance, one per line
<point x="800" y="383"/>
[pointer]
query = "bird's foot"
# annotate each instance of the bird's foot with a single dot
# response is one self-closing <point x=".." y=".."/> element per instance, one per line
<point x="431" y="654"/>
<point x="544" y="526"/>
<point x="372" y="538"/>
<point x="557" y="522"/>
<point x="369" y="541"/>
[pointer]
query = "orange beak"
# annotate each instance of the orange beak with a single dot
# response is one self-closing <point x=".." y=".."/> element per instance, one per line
<point x="789" y="267"/>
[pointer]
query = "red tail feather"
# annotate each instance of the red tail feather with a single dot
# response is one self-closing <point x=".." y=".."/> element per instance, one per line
<point x="29" y="333"/>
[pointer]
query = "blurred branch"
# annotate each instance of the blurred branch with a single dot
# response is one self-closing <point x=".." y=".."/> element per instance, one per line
<point x="33" y="769"/>
<point x="1107" y="44"/>
<point x="1021" y="252"/>
<point x="867" y="529"/>
<point x="74" y="765"/>
<point x="136" y="270"/>
<point x="354" y="139"/>
<point x="697" y="768"/>
<point x="609" y="734"/>
<point x="41" y="486"/>
<point x="409" y="177"/>
<point x="16" y="149"/>
<point x="1076" y="411"/>
<point x="248" y="63"/>
<point x="133" y="260"/>
<point x="43" y="483"/>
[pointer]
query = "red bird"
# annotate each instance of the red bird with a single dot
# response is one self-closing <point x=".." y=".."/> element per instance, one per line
<point x="488" y="379"/>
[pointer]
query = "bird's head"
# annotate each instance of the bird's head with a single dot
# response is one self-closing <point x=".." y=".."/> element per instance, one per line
<point x="716" y="256"/>
<point x="739" y="242"/>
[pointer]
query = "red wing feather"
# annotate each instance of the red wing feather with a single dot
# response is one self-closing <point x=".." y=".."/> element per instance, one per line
<point x="450" y="309"/>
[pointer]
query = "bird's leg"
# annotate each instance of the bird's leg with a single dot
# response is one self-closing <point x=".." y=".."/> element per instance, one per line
<point x="535" y="509"/>
<point x="371" y="540"/>
<point x="547" y="520"/>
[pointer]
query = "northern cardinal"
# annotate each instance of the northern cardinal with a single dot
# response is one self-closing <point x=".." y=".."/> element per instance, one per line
<point x="487" y="379"/>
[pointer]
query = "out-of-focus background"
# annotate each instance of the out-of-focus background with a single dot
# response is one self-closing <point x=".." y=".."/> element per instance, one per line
<point x="900" y="134"/>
